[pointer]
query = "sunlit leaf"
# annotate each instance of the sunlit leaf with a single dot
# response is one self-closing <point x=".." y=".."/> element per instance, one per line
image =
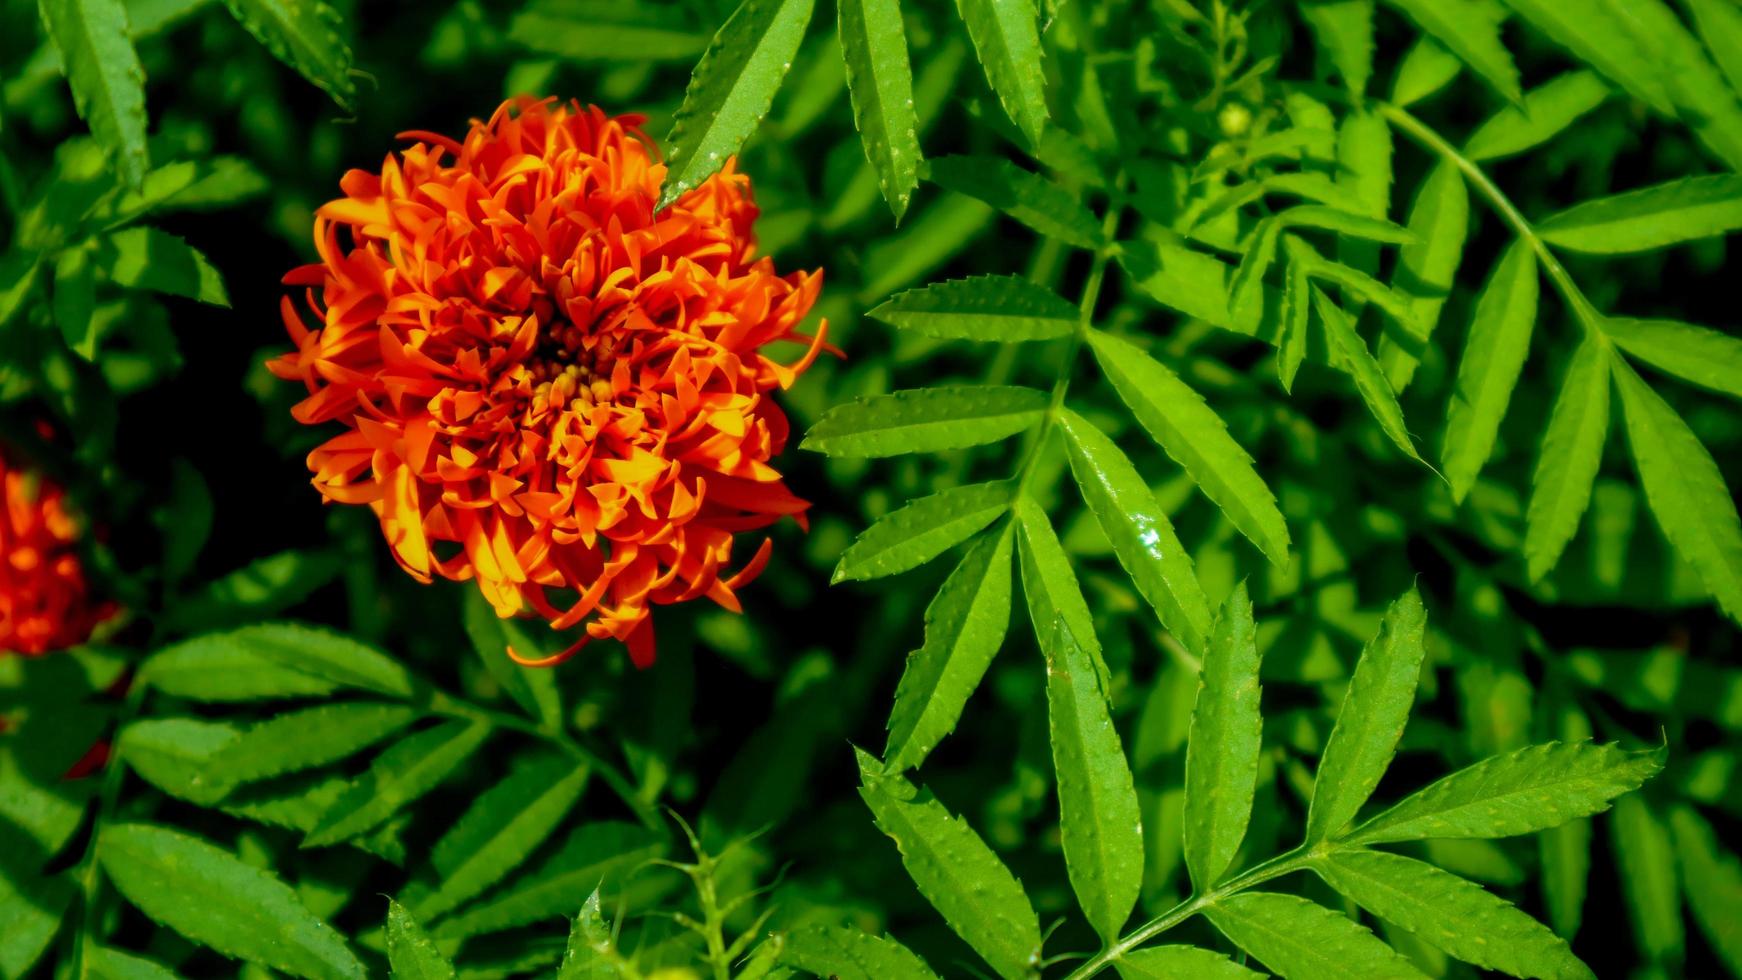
<point x="1302" y="940"/>
<point x="847" y="954"/>
<point x="1440" y="218"/>
<point x="1572" y="449"/>
<point x="924" y="420"/>
<point x="1344" y="30"/>
<point x="1693" y="353"/>
<point x="310" y="737"/>
<point x="1006" y="36"/>
<point x="1369" y="379"/>
<point x="1650" y="218"/>
<point x="1547" y="111"/>
<point x="145" y="258"/>
<point x="995" y="309"/>
<point x="1180" y="963"/>
<point x="1494" y="353"/>
<point x="307" y="35"/>
<point x="107" y="81"/>
<point x="411" y="954"/>
<point x="1222" y="752"/>
<point x="1600" y="36"/>
<point x="1471" y="30"/>
<point x="922" y="530"/>
<point x="880" y="82"/>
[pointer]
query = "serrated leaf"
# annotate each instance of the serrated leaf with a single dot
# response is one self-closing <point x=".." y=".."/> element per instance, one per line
<point x="1703" y="356"/>
<point x="1139" y="530"/>
<point x="731" y="89"/>
<point x="607" y="852"/>
<point x="964" y="627"/>
<point x="1185" y="280"/>
<point x="75" y="284"/>
<point x="1371" y="720"/>
<point x="308" y="36"/>
<point x="1427" y="68"/>
<point x="1645" y="862"/>
<point x="207" y="895"/>
<point x="1427" y="268"/>
<point x="258" y="590"/>
<point x="994" y="309"/>
<point x="411" y="954"/>
<point x="108" y="83"/>
<point x="845" y="953"/>
<point x="1649" y="218"/>
<point x="1450" y="913"/>
<point x="1180" y="963"/>
<point x="310" y="737"/>
<point x="1532" y="789"/>
<point x="501" y="828"/>
<point x="1222" y="751"/>
<point x="1697" y="90"/>
<point x="298" y="802"/>
<point x="926" y="420"/>
<point x="1471" y="30"/>
<point x="1547" y="111"/>
<point x="145" y="258"/>
<point x="1720" y="26"/>
<point x="1343" y="29"/>
<point x="880" y="83"/>
<point x="179" y="755"/>
<point x="1021" y="194"/>
<point x="331" y="657"/>
<point x="922" y="530"/>
<point x="1006" y="38"/>
<point x="226" y="667"/>
<point x="1326" y="218"/>
<point x="1494" y="353"/>
<point x="534" y="690"/>
<point x="1572" y="449"/>
<point x="1194" y="436"/>
<point x="1712" y="878"/>
<point x="1100" y="829"/>
<point x="955" y="871"/>
<point x="1370" y="383"/>
<point x="1684" y="487"/>
<point x="1050" y="585"/>
<point x="588" y="954"/>
<point x="1302" y="940"/>
<point x="406" y="771"/>
<point x="555" y="30"/>
<point x="1593" y="30"/>
<point x="1296" y="311"/>
<point x="1364" y="167"/>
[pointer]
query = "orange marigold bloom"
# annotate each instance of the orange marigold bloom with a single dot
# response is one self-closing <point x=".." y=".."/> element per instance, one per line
<point x="45" y="602"/>
<point x="545" y="385"/>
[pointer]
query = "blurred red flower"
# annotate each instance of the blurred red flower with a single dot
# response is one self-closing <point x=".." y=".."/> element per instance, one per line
<point x="544" y="384"/>
<point x="45" y="601"/>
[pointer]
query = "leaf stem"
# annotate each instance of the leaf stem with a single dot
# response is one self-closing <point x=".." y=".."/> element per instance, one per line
<point x="1276" y="867"/>
<point x="109" y="794"/>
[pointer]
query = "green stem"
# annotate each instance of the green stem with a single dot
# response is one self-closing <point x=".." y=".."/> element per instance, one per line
<point x="451" y="707"/>
<point x="108" y="796"/>
<point x="1276" y="867"/>
<point x="1085" y="314"/>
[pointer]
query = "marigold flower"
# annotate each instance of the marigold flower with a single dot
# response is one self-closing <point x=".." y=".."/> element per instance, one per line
<point x="545" y="385"/>
<point x="45" y="602"/>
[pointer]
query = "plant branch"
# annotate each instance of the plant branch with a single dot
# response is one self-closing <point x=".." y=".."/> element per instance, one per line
<point x="88" y="876"/>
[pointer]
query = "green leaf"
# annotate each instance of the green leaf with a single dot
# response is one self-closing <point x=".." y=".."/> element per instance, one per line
<point x="112" y="964"/>
<point x="731" y="89"/>
<point x="1302" y="940"/>
<point x="1650" y="218"/>
<point x="1182" y="279"/>
<point x="1343" y="30"/>
<point x="1296" y="309"/>
<point x="994" y="309"/>
<point x="1006" y="36"/>
<point x="261" y="589"/>
<point x="1696" y="88"/>
<point x="1547" y="111"/>
<point x="1100" y="828"/>
<point x="1348" y="347"/>
<point x="108" y="83"/>
<point x="501" y="828"/>
<point x="408" y="769"/>
<point x="554" y="29"/>
<point x="1023" y="195"/>
<point x="922" y="530"/>
<point x="1371" y="720"/>
<point x="1342" y="222"/>
<point x="1494" y="354"/>
<point x="1572" y="448"/>
<point x="1427" y="268"/>
<point x="145" y="258"/>
<point x="1720" y="26"/>
<point x="1602" y="37"/>
<point x="330" y="657"/>
<point x="310" y="737"/>
<point x="1223" y="748"/>
<point x="1684" y="487"/>
<point x="1645" y="862"/>
<point x="32" y="907"/>
<point x="307" y="35"/>
<point x="75" y="284"/>
<point x="1180" y="963"/>
<point x="844" y="953"/>
<point x="1194" y="436"/>
<point x="179" y="756"/>
<point x="215" y="900"/>
<point x="1050" y="585"/>
<point x="534" y="690"/>
<point x="226" y="667"/>
<point x="1532" y="789"/>
<point x="1450" y="913"/>
<point x="1427" y="69"/>
<point x="926" y="420"/>
<point x="1713" y="880"/>
<point x="606" y="852"/>
<point x="880" y="83"/>
<point x="1705" y="357"/>
<point x="1142" y="536"/>
<point x="1471" y="30"/>
<point x="411" y="954"/>
<point x="955" y="871"/>
<point x="964" y="627"/>
<point x="590" y="946"/>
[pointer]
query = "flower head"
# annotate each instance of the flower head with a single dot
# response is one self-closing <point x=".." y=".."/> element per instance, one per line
<point x="45" y="602"/>
<point x="544" y="384"/>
